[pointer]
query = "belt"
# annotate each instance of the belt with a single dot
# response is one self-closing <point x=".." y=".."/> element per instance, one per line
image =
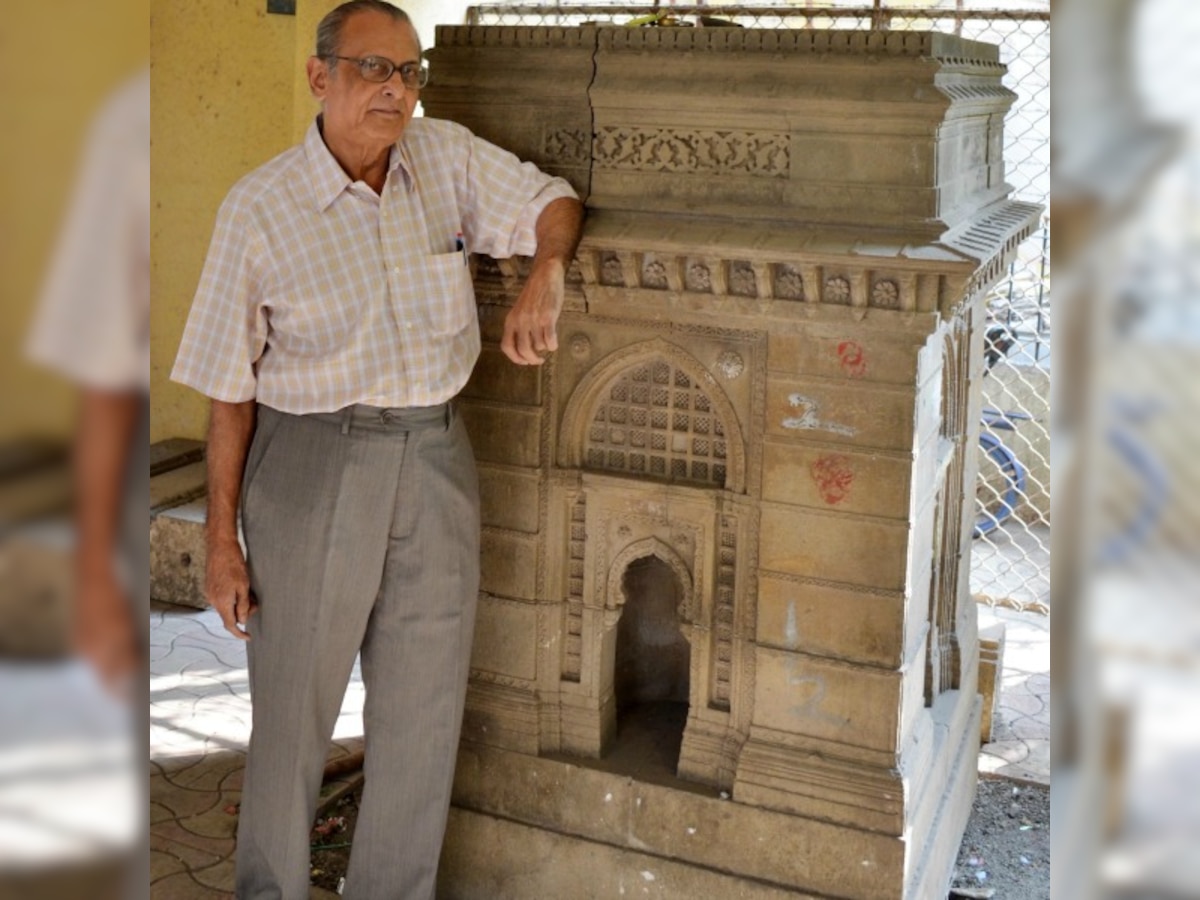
<point x="360" y="417"/>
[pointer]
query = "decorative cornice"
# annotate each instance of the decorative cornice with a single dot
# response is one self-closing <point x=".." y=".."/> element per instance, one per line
<point x="977" y="92"/>
<point x="947" y="50"/>
<point x="910" y="44"/>
<point x="634" y="148"/>
<point x="520" y="36"/>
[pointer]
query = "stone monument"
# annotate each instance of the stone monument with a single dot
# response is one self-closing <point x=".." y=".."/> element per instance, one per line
<point x="725" y="646"/>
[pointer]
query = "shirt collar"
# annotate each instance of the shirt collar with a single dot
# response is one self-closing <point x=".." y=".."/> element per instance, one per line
<point x="329" y="179"/>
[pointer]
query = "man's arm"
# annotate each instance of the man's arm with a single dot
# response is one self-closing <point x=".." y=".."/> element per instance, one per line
<point x="227" y="582"/>
<point x="530" y="329"/>
<point x="103" y="630"/>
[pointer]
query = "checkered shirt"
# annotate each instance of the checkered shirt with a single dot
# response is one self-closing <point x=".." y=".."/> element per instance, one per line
<point x="318" y="293"/>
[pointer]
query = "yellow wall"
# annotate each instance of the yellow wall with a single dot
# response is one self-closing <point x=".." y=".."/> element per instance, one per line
<point x="46" y="112"/>
<point x="221" y="105"/>
<point x="228" y="92"/>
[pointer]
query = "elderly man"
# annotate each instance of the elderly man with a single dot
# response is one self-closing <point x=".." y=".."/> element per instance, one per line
<point x="333" y="324"/>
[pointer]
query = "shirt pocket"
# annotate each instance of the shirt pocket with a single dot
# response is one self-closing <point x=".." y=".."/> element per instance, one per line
<point x="446" y="289"/>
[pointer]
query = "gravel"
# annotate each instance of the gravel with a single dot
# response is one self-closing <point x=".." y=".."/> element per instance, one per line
<point x="1007" y="845"/>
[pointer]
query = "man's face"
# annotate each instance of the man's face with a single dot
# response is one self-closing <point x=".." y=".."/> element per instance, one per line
<point x="357" y="110"/>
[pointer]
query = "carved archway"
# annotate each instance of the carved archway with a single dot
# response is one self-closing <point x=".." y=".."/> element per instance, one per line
<point x="683" y="429"/>
<point x="615" y="594"/>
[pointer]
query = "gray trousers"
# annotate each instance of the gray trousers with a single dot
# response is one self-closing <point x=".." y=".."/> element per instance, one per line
<point x="362" y="533"/>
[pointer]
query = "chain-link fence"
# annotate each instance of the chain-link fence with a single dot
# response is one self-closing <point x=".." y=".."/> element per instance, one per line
<point x="1010" y="563"/>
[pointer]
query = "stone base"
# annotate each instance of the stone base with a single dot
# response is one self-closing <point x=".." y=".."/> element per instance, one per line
<point x="177" y="555"/>
<point x="525" y="826"/>
<point x="991" y="676"/>
<point x="489" y="858"/>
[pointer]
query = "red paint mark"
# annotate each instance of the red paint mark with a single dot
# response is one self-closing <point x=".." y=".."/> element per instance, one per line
<point x="853" y="357"/>
<point x="833" y="476"/>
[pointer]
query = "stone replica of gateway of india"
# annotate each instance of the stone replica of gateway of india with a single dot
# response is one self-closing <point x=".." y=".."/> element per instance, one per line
<point x="725" y="646"/>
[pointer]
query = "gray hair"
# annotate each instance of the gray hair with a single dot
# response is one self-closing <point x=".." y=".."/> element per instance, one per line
<point x="329" y="31"/>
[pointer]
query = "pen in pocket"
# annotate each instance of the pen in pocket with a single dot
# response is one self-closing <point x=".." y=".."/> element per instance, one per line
<point x="460" y="246"/>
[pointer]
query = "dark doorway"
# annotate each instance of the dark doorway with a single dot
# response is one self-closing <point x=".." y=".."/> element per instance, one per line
<point x="651" y="670"/>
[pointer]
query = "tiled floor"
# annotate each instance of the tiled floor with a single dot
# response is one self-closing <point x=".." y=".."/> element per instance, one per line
<point x="199" y="726"/>
<point x="1020" y="746"/>
<point x="200" y="721"/>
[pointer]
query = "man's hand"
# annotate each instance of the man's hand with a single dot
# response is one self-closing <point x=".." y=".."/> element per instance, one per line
<point x="103" y="631"/>
<point x="227" y="587"/>
<point x="227" y="581"/>
<point x="530" y="328"/>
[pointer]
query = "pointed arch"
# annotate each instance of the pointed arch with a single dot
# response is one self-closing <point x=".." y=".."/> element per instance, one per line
<point x="653" y="410"/>
<point x="615" y="595"/>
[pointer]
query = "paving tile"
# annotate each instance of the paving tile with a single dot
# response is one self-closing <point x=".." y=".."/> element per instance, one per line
<point x="1027" y="728"/>
<point x="215" y="822"/>
<point x="179" y="836"/>
<point x="1011" y="751"/>
<point x="1040" y="682"/>
<point x="1020" y="702"/>
<point x="208" y="773"/>
<point x="181" y="802"/>
<point x="158" y="812"/>
<point x="163" y="864"/>
<point x="190" y="857"/>
<point x="218" y="877"/>
<point x="232" y="783"/>
<point x="183" y="887"/>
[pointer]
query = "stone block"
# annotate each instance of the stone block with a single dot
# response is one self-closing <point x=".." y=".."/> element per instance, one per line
<point x="825" y="620"/>
<point x="505" y="638"/>
<point x="177" y="555"/>
<point x="831" y="547"/>
<point x="501" y="715"/>
<point x="873" y="484"/>
<point x="509" y="564"/>
<point x="777" y="776"/>
<point x="991" y="677"/>
<point x="488" y="858"/>
<point x="177" y="486"/>
<point x="614" y="816"/>
<point x="173" y="453"/>
<point x="848" y="353"/>
<point x="509" y="498"/>
<point x="826" y="699"/>
<point x="36" y="592"/>
<point x="839" y="413"/>
<point x="495" y="377"/>
<point x="506" y="435"/>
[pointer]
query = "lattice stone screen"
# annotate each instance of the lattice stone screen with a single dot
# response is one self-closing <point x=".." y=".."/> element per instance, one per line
<point x="654" y="420"/>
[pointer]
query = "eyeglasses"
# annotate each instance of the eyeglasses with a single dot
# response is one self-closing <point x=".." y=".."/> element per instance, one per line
<point x="379" y="69"/>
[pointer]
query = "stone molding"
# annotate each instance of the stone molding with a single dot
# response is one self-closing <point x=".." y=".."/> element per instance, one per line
<point x="566" y="147"/>
<point x="945" y="49"/>
<point x="636" y="148"/>
<point x="518" y="36"/>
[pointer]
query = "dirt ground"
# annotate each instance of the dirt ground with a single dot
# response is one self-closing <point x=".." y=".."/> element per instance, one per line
<point x="1005" y="853"/>
<point x="1007" y="845"/>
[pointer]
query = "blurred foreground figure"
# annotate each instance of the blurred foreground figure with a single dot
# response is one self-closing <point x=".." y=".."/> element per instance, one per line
<point x="1126" y="595"/>
<point x="93" y="326"/>
<point x="72" y="735"/>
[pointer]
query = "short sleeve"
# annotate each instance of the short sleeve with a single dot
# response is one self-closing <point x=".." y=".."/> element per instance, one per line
<point x="504" y="199"/>
<point x="92" y="320"/>
<point x="226" y="329"/>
